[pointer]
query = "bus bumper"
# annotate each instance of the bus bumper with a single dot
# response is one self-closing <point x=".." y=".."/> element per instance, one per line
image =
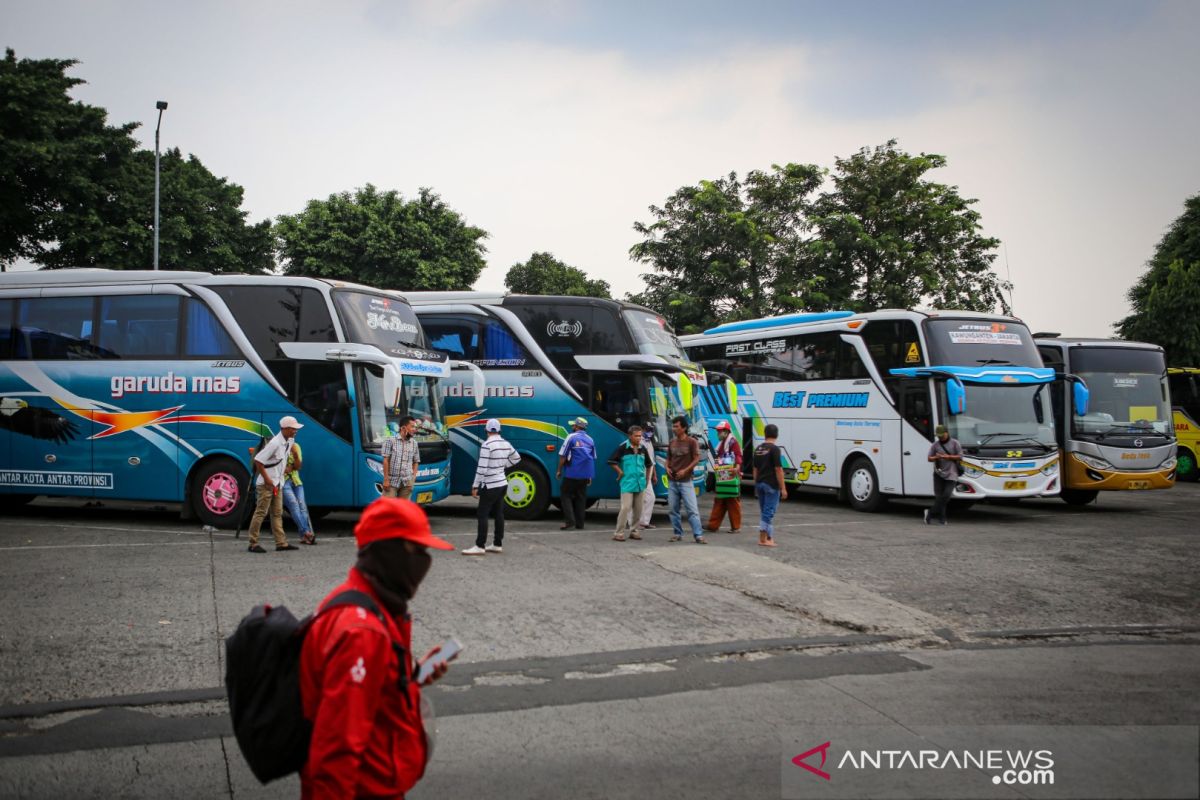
<point x="1082" y="476"/>
<point x="990" y="479"/>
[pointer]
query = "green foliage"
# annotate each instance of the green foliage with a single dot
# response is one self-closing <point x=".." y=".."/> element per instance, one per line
<point x="886" y="237"/>
<point x="728" y="249"/>
<point x="202" y="226"/>
<point x="1166" y="299"/>
<point x="76" y="192"/>
<point x="882" y="236"/>
<point x="379" y="239"/>
<point x="57" y="157"/>
<point x="545" y="274"/>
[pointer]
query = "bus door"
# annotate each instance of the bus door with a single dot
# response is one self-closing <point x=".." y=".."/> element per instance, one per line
<point x="51" y="450"/>
<point x="143" y="463"/>
<point x="916" y="432"/>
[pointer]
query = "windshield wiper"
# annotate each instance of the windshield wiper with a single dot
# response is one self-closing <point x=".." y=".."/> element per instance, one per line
<point x="987" y="437"/>
<point x="1144" y="431"/>
<point x="986" y="361"/>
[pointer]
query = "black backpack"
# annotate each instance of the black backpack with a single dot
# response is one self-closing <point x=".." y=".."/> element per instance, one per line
<point x="262" y="677"/>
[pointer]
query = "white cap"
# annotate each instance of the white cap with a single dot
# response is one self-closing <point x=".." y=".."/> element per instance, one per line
<point x="289" y="422"/>
<point x="492" y="426"/>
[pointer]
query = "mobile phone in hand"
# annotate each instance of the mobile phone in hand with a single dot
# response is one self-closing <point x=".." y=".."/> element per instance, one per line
<point x="450" y="649"/>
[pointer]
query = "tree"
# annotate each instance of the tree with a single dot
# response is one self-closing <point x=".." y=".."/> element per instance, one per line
<point x="202" y="225"/>
<point x="1166" y="299"/>
<point x="545" y="274"/>
<point x="379" y="239"/>
<point x="718" y="249"/>
<point x="886" y="237"/>
<point x="57" y="157"/>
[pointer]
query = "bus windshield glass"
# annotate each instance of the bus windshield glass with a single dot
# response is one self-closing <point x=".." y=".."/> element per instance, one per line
<point x="653" y="334"/>
<point x="1128" y="394"/>
<point x="665" y="406"/>
<point x="418" y="399"/>
<point x="1004" y="417"/>
<point x="386" y="322"/>
<point x="979" y="342"/>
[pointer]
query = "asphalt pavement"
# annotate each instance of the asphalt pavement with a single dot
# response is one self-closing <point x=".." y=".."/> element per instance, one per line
<point x="601" y="668"/>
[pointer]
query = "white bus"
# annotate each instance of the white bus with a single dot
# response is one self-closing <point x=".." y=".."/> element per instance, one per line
<point x="857" y="397"/>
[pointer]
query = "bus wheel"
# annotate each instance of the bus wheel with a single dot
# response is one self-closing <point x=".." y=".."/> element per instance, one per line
<point x="1079" y="497"/>
<point x="862" y="485"/>
<point x="1185" y="466"/>
<point x="528" y="490"/>
<point x="219" y="492"/>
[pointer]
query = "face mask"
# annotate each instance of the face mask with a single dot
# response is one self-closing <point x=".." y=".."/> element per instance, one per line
<point x="397" y="568"/>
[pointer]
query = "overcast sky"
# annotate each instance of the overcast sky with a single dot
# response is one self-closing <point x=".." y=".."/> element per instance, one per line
<point x="554" y="124"/>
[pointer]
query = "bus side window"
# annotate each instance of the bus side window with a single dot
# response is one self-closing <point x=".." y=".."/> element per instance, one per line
<point x="139" y="326"/>
<point x="615" y="399"/>
<point x="204" y="336"/>
<point x="849" y="365"/>
<point x="321" y="393"/>
<point x="500" y="347"/>
<point x="56" y="328"/>
<point x="459" y="338"/>
<point x="6" y="329"/>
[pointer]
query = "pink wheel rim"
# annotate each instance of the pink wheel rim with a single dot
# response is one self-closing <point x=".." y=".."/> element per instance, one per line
<point x="221" y="493"/>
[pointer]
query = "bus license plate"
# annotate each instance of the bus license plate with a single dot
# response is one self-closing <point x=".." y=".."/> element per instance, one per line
<point x="1138" y="485"/>
<point x="425" y="497"/>
<point x="1014" y="484"/>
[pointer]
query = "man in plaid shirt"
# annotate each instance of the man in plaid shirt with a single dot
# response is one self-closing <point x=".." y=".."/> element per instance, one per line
<point x="400" y="459"/>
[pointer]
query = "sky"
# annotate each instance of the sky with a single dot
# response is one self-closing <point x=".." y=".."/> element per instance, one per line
<point x="555" y="124"/>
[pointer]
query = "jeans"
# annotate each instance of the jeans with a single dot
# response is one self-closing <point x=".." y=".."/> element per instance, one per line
<point x="768" y="504"/>
<point x="573" y="496"/>
<point x="491" y="504"/>
<point x="943" y="490"/>
<point x="293" y="500"/>
<point x="682" y="492"/>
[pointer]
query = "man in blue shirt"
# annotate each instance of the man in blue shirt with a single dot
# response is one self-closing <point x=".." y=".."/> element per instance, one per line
<point x="576" y="468"/>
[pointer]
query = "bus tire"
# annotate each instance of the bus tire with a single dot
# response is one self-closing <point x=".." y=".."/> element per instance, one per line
<point x="862" y="485"/>
<point x="1079" y="497"/>
<point x="528" y="491"/>
<point x="219" y="493"/>
<point x="1186" y="469"/>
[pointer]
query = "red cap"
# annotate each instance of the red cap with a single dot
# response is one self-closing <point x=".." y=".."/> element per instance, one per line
<point x="723" y="425"/>
<point x="393" y="518"/>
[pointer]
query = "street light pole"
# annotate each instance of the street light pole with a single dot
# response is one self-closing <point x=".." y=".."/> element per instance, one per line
<point x="161" y="105"/>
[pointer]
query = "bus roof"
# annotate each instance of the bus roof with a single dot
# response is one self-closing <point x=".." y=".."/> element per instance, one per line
<point x="1084" y="341"/>
<point x="508" y="298"/>
<point x="787" y="324"/>
<point x="89" y="276"/>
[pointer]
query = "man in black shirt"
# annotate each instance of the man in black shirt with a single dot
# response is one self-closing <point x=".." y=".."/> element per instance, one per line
<point x="769" y="487"/>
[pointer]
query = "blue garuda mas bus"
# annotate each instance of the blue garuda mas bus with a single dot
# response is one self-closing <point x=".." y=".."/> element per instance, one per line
<point x="857" y="398"/>
<point x="548" y="360"/>
<point x="141" y="385"/>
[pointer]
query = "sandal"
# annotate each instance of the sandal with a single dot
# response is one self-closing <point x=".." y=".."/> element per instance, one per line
<point x="618" y="537"/>
<point x="635" y="535"/>
<point x="308" y="538"/>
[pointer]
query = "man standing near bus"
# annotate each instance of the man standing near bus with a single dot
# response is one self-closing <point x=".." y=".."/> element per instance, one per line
<point x="728" y="457"/>
<point x="401" y="457"/>
<point x="270" y="463"/>
<point x="683" y="454"/>
<point x="576" y="468"/>
<point x="769" y="485"/>
<point x="945" y="454"/>
<point x="490" y="486"/>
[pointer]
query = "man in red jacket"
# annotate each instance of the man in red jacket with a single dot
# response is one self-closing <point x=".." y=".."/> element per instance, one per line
<point x="357" y="677"/>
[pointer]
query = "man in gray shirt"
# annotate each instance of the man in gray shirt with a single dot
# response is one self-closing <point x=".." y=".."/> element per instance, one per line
<point x="945" y="455"/>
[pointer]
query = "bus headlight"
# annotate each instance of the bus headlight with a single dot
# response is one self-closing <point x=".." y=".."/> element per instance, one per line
<point x="971" y="471"/>
<point x="1093" y="462"/>
<point x="1051" y="468"/>
<point x="1168" y="464"/>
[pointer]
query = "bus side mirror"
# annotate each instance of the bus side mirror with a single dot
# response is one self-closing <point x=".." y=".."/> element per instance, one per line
<point x="1082" y="394"/>
<point x="478" y="381"/>
<point x="731" y="393"/>
<point x="685" y="391"/>
<point x="391" y="386"/>
<point x="956" y="396"/>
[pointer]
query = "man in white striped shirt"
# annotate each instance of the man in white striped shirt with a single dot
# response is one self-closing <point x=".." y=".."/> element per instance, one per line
<point x="490" y="486"/>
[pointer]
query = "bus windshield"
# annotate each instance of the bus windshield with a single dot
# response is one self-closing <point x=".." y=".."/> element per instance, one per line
<point x="979" y="342"/>
<point x="1004" y="417"/>
<point x="653" y="334"/>
<point x="1128" y="392"/>
<point x="665" y="406"/>
<point x="386" y="322"/>
<point x="418" y="399"/>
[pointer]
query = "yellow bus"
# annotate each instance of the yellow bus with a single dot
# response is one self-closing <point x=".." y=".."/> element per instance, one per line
<point x="1125" y="439"/>
<point x="1185" y="396"/>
